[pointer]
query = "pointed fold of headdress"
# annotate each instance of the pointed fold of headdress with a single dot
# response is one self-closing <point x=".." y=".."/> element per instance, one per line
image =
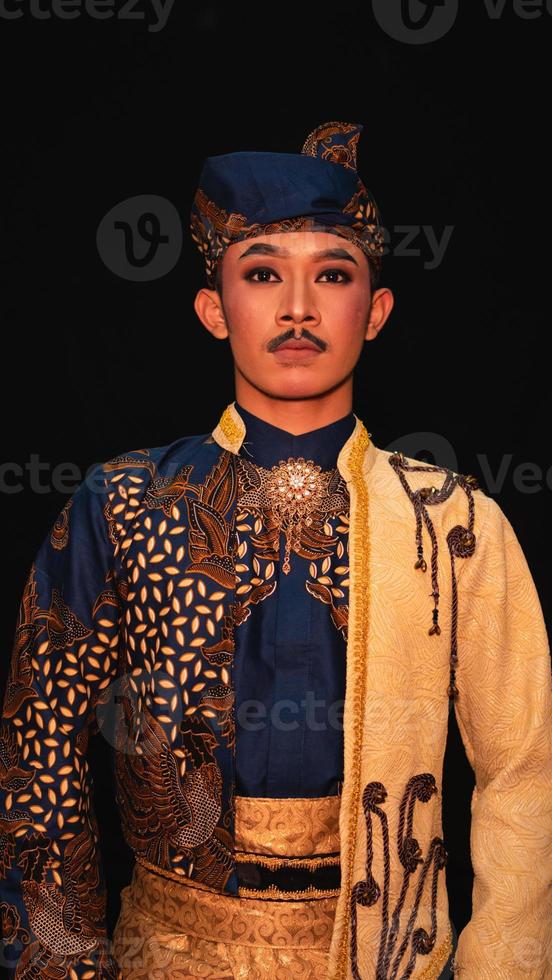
<point x="334" y="141"/>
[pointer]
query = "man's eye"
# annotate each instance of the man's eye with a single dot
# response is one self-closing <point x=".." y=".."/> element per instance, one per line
<point x="255" y="272"/>
<point x="268" y="272"/>
<point x="337" y="272"/>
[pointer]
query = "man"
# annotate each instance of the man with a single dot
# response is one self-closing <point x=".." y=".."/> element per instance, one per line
<point x="226" y="595"/>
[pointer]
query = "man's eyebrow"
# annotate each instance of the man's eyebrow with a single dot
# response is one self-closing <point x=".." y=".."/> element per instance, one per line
<point x="263" y="248"/>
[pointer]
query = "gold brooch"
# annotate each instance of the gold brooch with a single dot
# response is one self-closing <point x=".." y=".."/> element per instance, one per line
<point x="291" y="491"/>
<point x="296" y="487"/>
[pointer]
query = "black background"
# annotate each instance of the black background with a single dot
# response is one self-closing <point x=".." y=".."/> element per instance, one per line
<point x="96" y="112"/>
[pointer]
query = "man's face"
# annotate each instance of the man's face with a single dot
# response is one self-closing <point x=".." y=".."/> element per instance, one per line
<point x="293" y="285"/>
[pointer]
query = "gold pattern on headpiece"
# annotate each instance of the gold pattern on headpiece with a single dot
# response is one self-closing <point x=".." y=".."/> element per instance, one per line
<point x="343" y="153"/>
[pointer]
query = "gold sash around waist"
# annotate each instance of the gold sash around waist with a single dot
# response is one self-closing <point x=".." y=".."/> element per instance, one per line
<point x="177" y="908"/>
<point x="287" y="827"/>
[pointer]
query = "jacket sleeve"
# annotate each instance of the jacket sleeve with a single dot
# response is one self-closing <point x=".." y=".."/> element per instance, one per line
<point x="504" y="714"/>
<point x="52" y="891"/>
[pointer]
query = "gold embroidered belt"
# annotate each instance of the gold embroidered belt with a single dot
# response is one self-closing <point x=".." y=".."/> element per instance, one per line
<point x="287" y="848"/>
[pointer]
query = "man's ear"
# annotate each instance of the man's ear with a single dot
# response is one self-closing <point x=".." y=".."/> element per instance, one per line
<point x="383" y="302"/>
<point x="208" y="306"/>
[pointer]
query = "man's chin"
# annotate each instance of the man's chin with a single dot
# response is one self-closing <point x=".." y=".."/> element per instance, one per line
<point x="293" y="390"/>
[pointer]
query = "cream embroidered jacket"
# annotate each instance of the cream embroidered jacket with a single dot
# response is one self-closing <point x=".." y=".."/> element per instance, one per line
<point x="131" y="603"/>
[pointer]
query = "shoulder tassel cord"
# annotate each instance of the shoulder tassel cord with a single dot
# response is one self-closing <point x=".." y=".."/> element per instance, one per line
<point x="461" y="541"/>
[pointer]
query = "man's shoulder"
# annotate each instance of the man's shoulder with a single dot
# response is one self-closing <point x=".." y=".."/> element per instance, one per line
<point x="442" y="492"/>
<point x="420" y="473"/>
<point x="150" y="478"/>
<point x="157" y="461"/>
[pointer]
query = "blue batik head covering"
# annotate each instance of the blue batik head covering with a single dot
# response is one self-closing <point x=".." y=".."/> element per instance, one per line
<point x="241" y="195"/>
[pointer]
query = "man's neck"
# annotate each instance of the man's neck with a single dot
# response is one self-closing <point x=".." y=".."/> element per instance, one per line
<point x="294" y="415"/>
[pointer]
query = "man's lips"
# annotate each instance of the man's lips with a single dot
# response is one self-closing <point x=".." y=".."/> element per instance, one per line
<point x="296" y="351"/>
<point x="298" y="345"/>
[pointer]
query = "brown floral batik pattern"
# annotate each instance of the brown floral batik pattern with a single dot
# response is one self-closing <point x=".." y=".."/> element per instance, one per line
<point x="174" y="548"/>
<point x="48" y="831"/>
<point x="324" y="543"/>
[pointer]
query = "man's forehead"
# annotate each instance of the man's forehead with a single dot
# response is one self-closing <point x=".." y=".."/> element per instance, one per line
<point x="311" y="244"/>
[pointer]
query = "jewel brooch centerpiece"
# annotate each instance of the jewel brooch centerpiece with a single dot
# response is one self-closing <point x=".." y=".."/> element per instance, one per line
<point x="296" y="487"/>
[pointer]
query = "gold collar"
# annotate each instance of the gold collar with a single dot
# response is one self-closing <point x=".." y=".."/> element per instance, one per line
<point x="230" y="433"/>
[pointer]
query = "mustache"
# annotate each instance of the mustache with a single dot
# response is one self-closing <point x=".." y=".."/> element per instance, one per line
<point x="290" y="335"/>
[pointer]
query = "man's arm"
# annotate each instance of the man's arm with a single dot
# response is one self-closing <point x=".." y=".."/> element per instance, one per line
<point x="504" y="714"/>
<point x="52" y="891"/>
